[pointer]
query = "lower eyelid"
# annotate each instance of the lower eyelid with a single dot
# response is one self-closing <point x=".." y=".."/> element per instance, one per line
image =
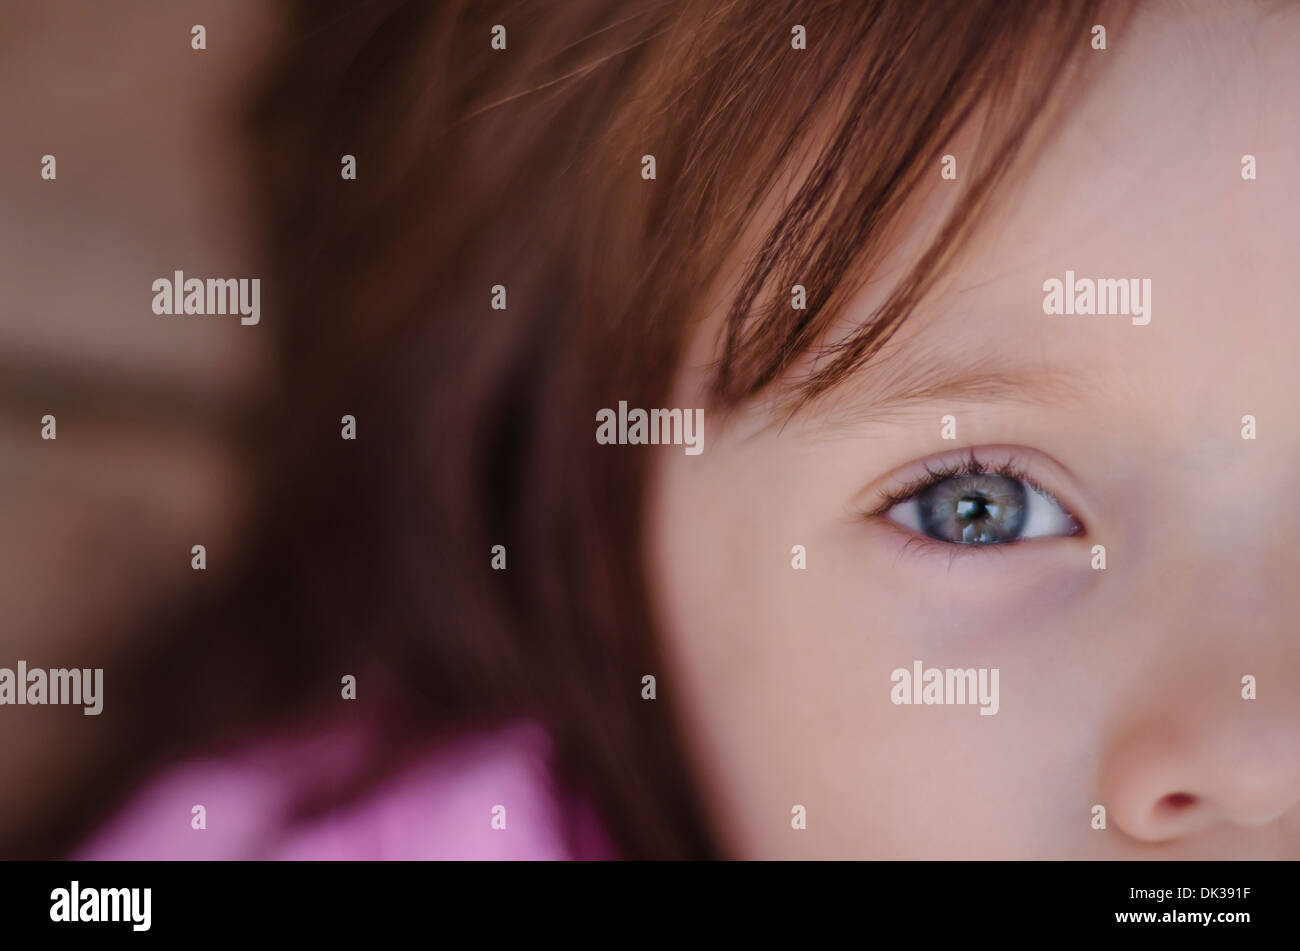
<point x="919" y="545"/>
<point x="915" y="545"/>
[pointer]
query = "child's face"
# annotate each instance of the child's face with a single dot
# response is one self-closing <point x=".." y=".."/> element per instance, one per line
<point x="1120" y="687"/>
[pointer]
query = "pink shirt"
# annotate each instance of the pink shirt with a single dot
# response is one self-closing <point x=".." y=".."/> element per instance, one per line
<point x="441" y="806"/>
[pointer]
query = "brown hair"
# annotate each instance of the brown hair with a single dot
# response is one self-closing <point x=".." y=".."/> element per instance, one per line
<point x="521" y="167"/>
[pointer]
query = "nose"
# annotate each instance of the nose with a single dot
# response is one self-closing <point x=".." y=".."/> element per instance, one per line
<point x="1220" y="760"/>
<point x="1190" y="751"/>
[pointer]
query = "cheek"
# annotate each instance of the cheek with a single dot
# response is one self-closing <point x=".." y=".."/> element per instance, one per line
<point x="785" y="677"/>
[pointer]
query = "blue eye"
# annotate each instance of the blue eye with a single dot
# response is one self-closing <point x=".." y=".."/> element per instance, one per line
<point x="981" y="508"/>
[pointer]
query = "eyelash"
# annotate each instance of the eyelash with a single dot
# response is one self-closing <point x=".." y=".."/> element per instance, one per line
<point x="970" y="465"/>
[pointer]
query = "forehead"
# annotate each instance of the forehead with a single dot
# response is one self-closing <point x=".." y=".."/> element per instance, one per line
<point x="1142" y="179"/>
<point x="1148" y="169"/>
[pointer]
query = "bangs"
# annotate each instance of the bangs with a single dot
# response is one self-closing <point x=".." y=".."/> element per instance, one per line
<point x="927" y="72"/>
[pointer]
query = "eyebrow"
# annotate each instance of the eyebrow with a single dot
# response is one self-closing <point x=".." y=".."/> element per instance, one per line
<point x="914" y="375"/>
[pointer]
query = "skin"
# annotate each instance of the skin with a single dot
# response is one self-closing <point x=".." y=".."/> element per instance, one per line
<point x="1120" y="687"/>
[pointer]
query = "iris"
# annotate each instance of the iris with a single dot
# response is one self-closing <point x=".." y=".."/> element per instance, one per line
<point x="977" y="509"/>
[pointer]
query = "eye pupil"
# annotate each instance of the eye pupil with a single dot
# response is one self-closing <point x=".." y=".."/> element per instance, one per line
<point x="971" y="507"/>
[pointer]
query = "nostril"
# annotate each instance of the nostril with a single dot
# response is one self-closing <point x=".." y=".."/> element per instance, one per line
<point x="1175" y="803"/>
